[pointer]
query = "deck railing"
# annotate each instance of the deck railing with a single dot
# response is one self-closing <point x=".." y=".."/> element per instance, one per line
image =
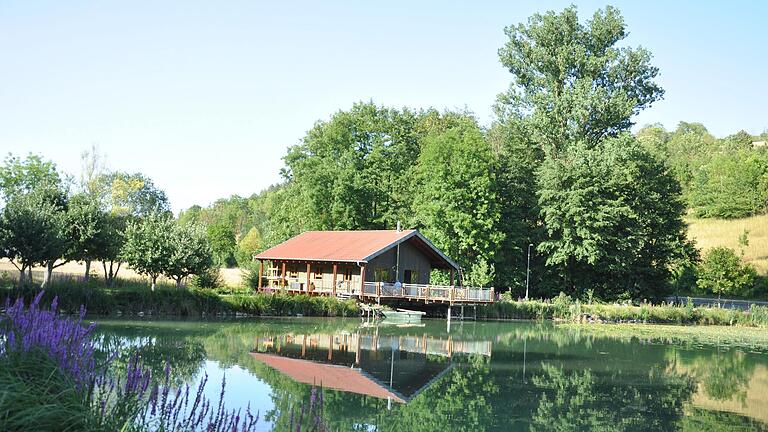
<point x="425" y="292"/>
<point x="429" y="292"/>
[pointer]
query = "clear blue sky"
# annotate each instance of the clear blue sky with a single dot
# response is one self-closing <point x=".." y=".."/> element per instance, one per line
<point x="205" y="97"/>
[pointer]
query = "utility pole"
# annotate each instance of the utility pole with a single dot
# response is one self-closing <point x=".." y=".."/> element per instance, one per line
<point x="528" y="271"/>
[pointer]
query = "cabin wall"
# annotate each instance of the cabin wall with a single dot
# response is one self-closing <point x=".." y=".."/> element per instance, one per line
<point x="321" y="275"/>
<point x="382" y="268"/>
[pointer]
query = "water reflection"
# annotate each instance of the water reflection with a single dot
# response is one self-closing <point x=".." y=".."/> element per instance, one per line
<point x="480" y="376"/>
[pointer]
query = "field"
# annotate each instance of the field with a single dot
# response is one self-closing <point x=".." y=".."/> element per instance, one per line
<point x="708" y="233"/>
<point x="232" y="277"/>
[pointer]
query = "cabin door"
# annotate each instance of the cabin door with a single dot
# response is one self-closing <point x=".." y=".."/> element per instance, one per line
<point x="408" y="276"/>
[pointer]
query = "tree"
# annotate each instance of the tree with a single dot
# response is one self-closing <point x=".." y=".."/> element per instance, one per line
<point x="148" y="247"/>
<point x="110" y="241"/>
<point x="613" y="218"/>
<point x="731" y="185"/>
<point x="222" y="240"/>
<point x="28" y="185"/>
<point x="132" y="195"/>
<point x="572" y="82"/>
<point x="722" y="272"/>
<point x="19" y="177"/>
<point x="249" y="246"/>
<point x="574" y="93"/>
<point x="33" y="231"/>
<point x="456" y="205"/>
<point x="190" y="252"/>
<point x="86" y="225"/>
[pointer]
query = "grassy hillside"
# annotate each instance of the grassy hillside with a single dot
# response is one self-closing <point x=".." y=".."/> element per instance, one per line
<point x="708" y="233"/>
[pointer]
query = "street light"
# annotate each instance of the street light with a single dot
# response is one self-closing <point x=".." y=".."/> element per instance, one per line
<point x="528" y="271"/>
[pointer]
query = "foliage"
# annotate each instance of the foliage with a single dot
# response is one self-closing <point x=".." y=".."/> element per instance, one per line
<point x="731" y="185"/>
<point x="190" y="253"/>
<point x="722" y="272"/>
<point x="613" y="219"/>
<point x="33" y="230"/>
<point x="85" y="394"/>
<point x="148" y="247"/>
<point x="572" y="83"/>
<point x="133" y="298"/>
<point x="564" y="308"/>
<point x="249" y="246"/>
<point x="222" y="241"/>
<point x="456" y="205"/>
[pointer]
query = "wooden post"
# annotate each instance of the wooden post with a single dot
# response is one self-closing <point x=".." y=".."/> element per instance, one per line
<point x="330" y="347"/>
<point x="282" y="277"/>
<point x="309" y="269"/>
<point x="362" y="281"/>
<point x="334" y="279"/>
<point x="451" y="277"/>
<point x="261" y="272"/>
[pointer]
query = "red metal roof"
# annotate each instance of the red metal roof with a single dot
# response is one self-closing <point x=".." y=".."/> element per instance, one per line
<point x="328" y="376"/>
<point x="349" y="246"/>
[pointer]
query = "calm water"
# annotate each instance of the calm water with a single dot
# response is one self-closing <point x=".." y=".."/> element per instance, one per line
<point x="479" y="376"/>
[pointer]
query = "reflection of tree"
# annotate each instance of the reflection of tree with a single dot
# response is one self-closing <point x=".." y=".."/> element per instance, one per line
<point x="185" y="354"/>
<point x="724" y="376"/>
<point x="697" y="420"/>
<point x="575" y="401"/>
<point x="460" y="401"/>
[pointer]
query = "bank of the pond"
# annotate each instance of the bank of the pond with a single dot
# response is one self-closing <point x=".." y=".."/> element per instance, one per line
<point x="170" y="301"/>
<point x="563" y="308"/>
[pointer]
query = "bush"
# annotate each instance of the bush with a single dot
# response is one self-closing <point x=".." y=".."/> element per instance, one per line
<point x="722" y="272"/>
<point x="210" y="279"/>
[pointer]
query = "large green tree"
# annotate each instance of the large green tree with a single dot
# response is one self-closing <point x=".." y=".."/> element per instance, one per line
<point x="572" y="81"/>
<point x="148" y="247"/>
<point x="613" y="218"/>
<point x="574" y="92"/>
<point x="33" y="232"/>
<point x="190" y="252"/>
<point x="456" y="204"/>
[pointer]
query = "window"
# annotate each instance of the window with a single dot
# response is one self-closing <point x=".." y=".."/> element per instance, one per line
<point x="319" y="273"/>
<point x="347" y="274"/>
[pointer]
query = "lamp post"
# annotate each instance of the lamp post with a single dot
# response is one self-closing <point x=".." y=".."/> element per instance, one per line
<point x="528" y="271"/>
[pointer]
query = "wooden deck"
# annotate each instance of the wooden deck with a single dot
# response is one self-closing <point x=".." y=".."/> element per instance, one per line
<point x="373" y="291"/>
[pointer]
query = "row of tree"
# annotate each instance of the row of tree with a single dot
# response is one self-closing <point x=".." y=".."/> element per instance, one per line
<point x="557" y="173"/>
<point x="558" y="169"/>
<point x="48" y="220"/>
<point x="720" y="178"/>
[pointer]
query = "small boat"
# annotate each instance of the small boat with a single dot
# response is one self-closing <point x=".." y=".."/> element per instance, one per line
<point x="402" y="315"/>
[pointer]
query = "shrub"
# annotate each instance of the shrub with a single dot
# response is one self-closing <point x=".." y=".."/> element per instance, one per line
<point x="722" y="272"/>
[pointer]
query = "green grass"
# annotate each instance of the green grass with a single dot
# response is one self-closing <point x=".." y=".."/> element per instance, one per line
<point x="134" y="298"/>
<point x="35" y="396"/>
<point x="564" y="309"/>
<point x="741" y="337"/>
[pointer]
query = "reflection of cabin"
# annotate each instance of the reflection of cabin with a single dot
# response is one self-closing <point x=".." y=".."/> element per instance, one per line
<point x="396" y="367"/>
<point x="364" y="264"/>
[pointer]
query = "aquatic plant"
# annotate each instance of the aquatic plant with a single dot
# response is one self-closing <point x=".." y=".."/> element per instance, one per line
<point x="65" y="357"/>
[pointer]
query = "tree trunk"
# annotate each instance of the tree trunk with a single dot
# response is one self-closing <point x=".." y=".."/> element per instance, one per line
<point x="21" y="276"/>
<point x="29" y="274"/>
<point x="154" y="283"/>
<point x="87" y="271"/>
<point x="47" y="274"/>
<point x="178" y="283"/>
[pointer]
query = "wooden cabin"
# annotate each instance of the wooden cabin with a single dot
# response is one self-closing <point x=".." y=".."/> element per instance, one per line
<point x="364" y="264"/>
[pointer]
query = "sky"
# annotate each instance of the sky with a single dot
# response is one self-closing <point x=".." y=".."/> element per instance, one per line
<point x="205" y="97"/>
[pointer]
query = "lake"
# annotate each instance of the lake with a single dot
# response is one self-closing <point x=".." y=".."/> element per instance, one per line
<point x="475" y="376"/>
